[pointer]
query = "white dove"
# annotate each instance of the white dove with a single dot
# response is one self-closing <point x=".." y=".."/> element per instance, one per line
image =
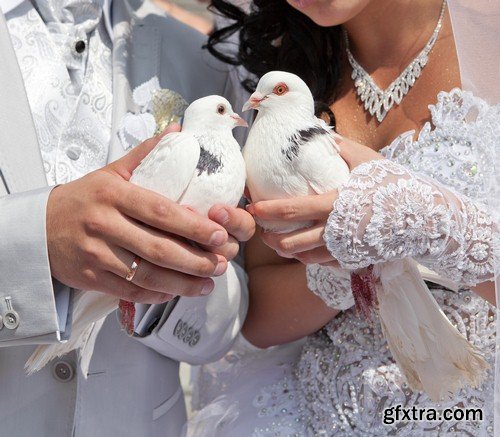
<point x="289" y="152"/>
<point x="199" y="167"/>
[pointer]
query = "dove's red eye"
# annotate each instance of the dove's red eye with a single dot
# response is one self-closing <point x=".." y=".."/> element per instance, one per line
<point x="280" y="89"/>
<point x="221" y="109"/>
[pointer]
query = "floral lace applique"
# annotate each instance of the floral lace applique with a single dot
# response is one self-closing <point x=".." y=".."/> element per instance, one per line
<point x="402" y="209"/>
<point x="408" y="215"/>
<point x="330" y="284"/>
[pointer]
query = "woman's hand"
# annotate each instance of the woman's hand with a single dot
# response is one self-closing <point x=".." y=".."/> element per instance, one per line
<point x="355" y="154"/>
<point x="307" y="245"/>
<point x="96" y="226"/>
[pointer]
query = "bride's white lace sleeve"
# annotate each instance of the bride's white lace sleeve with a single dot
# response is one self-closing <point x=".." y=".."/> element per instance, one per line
<point x="386" y="212"/>
<point x="332" y="285"/>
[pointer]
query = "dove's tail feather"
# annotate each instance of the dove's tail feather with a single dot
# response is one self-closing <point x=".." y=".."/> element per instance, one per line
<point x="89" y="312"/>
<point x="86" y="351"/>
<point x="431" y="353"/>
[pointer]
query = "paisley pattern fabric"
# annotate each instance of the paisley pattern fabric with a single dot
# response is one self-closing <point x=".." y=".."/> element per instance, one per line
<point x="345" y="376"/>
<point x="69" y="90"/>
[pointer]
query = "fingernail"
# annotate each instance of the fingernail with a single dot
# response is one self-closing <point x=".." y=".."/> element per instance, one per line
<point x="207" y="288"/>
<point x="218" y="238"/>
<point x="222" y="217"/>
<point x="220" y="269"/>
<point x="250" y="209"/>
<point x="171" y="127"/>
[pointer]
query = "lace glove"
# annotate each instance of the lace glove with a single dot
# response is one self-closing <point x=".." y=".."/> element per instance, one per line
<point x="385" y="212"/>
<point x="332" y="285"/>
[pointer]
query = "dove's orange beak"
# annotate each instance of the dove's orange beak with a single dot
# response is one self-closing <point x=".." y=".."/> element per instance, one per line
<point x="238" y="121"/>
<point x="254" y="101"/>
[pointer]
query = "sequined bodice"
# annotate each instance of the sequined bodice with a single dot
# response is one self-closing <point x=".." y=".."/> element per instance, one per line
<point x="347" y="376"/>
<point x="457" y="148"/>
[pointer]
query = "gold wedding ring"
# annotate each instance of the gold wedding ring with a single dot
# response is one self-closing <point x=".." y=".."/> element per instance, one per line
<point x="133" y="269"/>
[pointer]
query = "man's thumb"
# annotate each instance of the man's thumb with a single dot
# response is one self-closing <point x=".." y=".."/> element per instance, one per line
<point x="127" y="164"/>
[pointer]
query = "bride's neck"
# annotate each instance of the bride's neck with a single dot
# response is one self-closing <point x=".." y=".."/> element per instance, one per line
<point x="391" y="32"/>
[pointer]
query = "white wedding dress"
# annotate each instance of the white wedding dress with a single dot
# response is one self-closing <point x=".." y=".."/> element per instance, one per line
<point x="339" y="381"/>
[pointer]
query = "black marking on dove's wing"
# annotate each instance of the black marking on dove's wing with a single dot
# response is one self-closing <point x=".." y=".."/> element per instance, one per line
<point x="291" y="151"/>
<point x="301" y="137"/>
<point x="208" y="162"/>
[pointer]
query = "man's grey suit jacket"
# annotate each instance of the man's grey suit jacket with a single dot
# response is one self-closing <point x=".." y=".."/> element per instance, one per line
<point x="132" y="388"/>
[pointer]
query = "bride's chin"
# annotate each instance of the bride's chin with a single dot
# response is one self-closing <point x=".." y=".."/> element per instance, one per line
<point x="327" y="13"/>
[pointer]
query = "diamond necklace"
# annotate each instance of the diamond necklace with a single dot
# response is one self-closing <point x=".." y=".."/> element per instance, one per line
<point x="378" y="102"/>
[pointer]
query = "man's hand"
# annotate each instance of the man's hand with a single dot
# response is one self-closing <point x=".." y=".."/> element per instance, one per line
<point x="96" y="226"/>
<point x="238" y="223"/>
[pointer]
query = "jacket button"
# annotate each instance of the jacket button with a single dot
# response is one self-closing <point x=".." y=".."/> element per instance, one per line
<point x="63" y="371"/>
<point x="178" y="328"/>
<point x="196" y="338"/>
<point x="189" y="335"/>
<point x="80" y="46"/>
<point x="184" y="329"/>
<point x="11" y="320"/>
<point x="10" y="317"/>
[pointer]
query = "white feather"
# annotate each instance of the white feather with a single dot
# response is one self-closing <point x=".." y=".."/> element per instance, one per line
<point x="169" y="168"/>
<point x="89" y="311"/>
<point x="429" y="350"/>
<point x="320" y="164"/>
<point x="272" y="175"/>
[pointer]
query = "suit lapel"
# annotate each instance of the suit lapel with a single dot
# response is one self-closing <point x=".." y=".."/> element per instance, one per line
<point x="21" y="164"/>
<point x="135" y="61"/>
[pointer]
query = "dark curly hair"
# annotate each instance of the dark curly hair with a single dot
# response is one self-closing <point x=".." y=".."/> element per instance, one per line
<point x="275" y="36"/>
